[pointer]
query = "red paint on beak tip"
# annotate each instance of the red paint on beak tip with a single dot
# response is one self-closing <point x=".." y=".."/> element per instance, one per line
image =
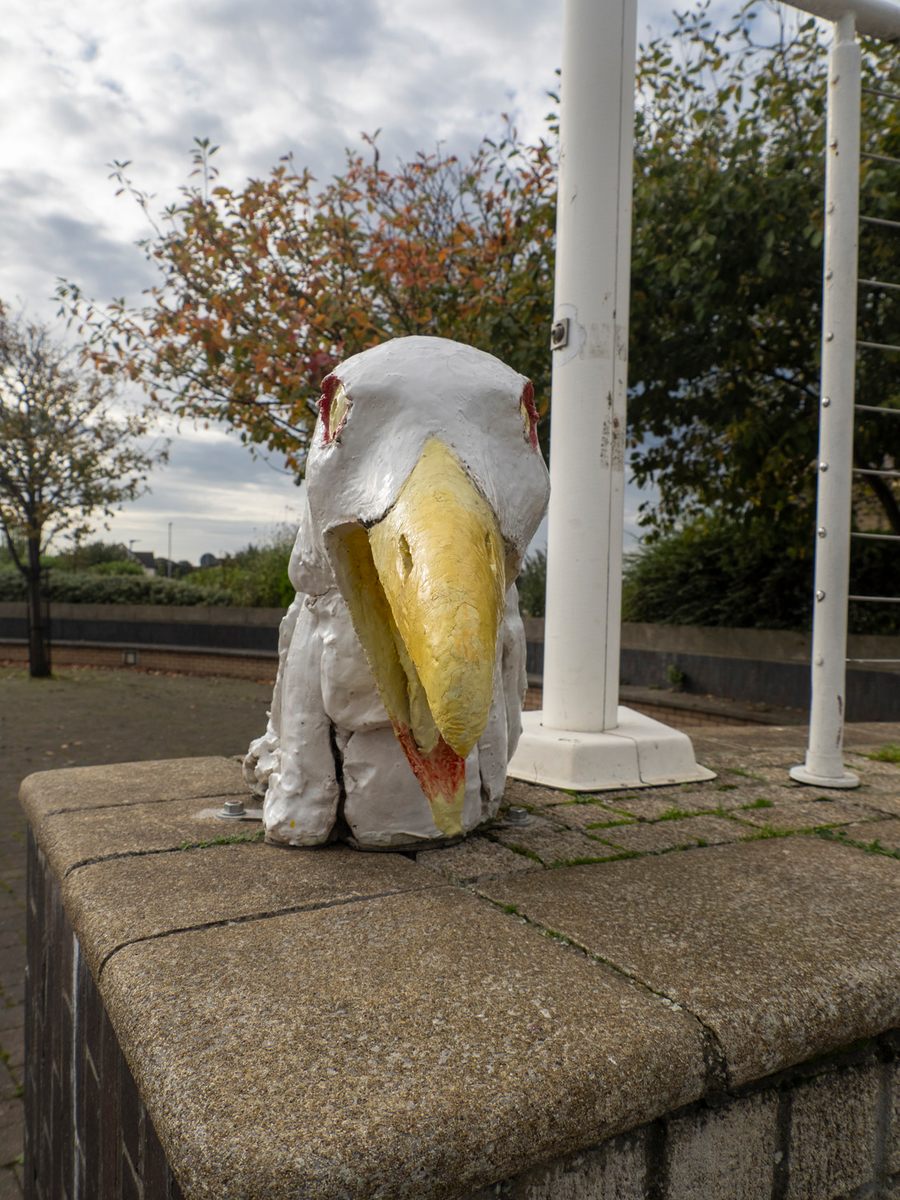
<point x="440" y="773"/>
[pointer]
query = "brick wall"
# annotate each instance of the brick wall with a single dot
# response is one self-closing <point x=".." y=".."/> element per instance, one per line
<point x="87" y="1132"/>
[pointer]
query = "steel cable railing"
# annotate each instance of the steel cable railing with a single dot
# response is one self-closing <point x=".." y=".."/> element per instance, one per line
<point x="840" y="345"/>
<point x="879" y="285"/>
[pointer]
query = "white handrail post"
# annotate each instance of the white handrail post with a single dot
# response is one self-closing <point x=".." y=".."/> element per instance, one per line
<point x="587" y="458"/>
<point x="824" y="764"/>
<point x="581" y="739"/>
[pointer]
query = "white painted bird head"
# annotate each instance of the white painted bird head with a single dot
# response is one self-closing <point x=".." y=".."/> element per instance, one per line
<point x="426" y="485"/>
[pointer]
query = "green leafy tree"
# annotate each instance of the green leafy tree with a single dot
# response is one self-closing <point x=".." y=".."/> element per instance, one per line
<point x="65" y="455"/>
<point x="727" y="279"/>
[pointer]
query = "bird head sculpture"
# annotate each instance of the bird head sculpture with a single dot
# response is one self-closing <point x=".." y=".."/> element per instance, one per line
<point x="425" y="485"/>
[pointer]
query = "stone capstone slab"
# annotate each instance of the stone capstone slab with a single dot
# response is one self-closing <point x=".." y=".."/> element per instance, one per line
<point x="585" y="815"/>
<point x="885" y="833"/>
<point x="412" y="1045"/>
<point x="144" y="828"/>
<point x="128" y="783"/>
<point x="124" y="900"/>
<point x="475" y="858"/>
<point x="552" y="845"/>
<point x="784" y="948"/>
<point x="671" y="835"/>
<point x="816" y="814"/>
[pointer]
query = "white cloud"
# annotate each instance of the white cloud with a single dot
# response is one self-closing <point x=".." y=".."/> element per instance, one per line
<point x="89" y="82"/>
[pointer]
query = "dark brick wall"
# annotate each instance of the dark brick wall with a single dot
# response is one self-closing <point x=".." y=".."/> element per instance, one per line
<point x="87" y="1132"/>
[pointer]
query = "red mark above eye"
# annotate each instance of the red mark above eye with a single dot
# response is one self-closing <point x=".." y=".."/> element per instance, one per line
<point x="530" y="413"/>
<point x="329" y="387"/>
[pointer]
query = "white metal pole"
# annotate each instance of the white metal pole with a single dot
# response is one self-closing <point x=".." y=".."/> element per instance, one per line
<point x="590" y="360"/>
<point x="824" y="764"/>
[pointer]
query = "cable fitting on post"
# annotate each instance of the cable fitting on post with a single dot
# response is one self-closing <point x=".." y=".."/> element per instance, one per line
<point x="820" y="595"/>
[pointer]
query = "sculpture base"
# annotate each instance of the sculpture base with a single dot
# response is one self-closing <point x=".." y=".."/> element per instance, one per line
<point x="639" y="752"/>
<point x="803" y="775"/>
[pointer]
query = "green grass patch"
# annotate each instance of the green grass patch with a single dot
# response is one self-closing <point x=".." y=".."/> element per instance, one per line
<point x="234" y="839"/>
<point x="526" y="853"/>
<point x="888" y="753"/>
<point x="838" y="834"/>
<point x="726" y="787"/>
<point x="769" y="831"/>
<point x="760" y="802"/>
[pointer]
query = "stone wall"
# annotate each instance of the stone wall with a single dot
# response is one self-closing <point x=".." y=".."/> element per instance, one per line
<point x="753" y="665"/>
<point x="633" y="1002"/>
<point x="824" y="1130"/>
<point x="87" y="1132"/>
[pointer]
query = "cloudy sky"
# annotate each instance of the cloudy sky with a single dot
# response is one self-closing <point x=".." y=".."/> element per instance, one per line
<point x="86" y="82"/>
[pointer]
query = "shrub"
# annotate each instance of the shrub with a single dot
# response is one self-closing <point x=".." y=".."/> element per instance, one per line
<point x="83" y="587"/>
<point x="256" y="577"/>
<point x="745" y="578"/>
<point x="532" y="585"/>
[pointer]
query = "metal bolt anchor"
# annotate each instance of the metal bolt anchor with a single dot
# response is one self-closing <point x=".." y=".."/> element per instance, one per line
<point x="559" y="334"/>
<point x="232" y="810"/>
<point x="517" y="816"/>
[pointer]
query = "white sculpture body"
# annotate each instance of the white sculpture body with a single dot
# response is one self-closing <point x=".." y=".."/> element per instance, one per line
<point x="401" y="672"/>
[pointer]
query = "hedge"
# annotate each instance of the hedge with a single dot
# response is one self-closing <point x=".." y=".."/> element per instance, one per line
<point x="83" y="587"/>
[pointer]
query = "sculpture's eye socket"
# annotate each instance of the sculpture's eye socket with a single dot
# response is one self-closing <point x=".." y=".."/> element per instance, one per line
<point x="333" y="407"/>
<point x="529" y="414"/>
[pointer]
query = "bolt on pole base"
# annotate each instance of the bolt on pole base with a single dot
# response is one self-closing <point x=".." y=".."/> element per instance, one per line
<point x="845" y="780"/>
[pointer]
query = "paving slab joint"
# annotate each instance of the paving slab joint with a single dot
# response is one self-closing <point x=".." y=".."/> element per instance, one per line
<point x="234" y="840"/>
<point x="82" y="808"/>
<point x="714" y="1057"/>
<point x="249" y="918"/>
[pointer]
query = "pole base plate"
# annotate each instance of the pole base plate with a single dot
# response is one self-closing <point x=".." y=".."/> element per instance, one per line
<point x="845" y="780"/>
<point x="639" y="752"/>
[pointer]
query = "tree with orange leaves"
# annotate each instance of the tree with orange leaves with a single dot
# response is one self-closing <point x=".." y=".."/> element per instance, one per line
<point x="262" y="290"/>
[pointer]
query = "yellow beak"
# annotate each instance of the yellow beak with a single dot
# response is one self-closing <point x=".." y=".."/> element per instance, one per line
<point x="425" y="588"/>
